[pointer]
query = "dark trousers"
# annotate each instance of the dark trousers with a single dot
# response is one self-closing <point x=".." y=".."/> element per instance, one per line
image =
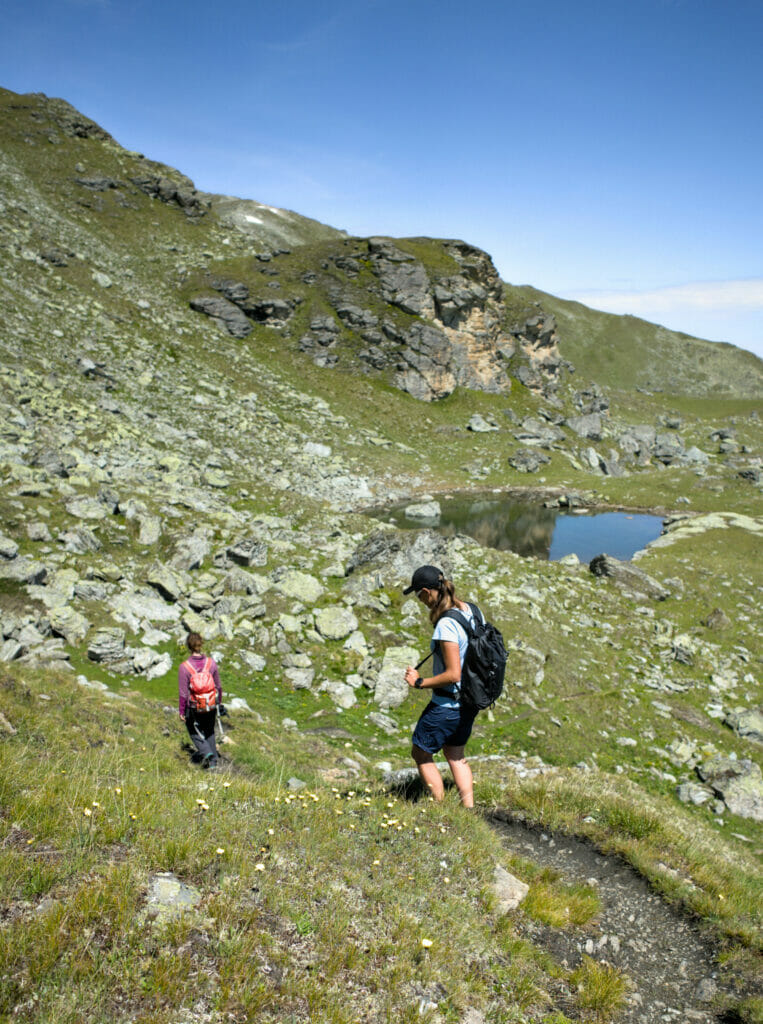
<point x="201" y="729"/>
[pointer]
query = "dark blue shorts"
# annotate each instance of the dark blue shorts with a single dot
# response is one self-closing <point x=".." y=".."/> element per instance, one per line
<point x="440" y="727"/>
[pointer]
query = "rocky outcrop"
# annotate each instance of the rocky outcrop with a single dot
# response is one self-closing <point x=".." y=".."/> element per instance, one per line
<point x="181" y="193"/>
<point x="540" y="363"/>
<point x="236" y="310"/>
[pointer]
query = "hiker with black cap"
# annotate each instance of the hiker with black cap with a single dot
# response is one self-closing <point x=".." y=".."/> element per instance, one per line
<point x="445" y="723"/>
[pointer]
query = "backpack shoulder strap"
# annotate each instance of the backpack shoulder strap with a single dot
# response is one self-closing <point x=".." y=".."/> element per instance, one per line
<point x="460" y="618"/>
<point x="187" y="664"/>
<point x="207" y="663"/>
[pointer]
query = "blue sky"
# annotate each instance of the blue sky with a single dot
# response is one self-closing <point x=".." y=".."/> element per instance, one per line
<point x="605" y="150"/>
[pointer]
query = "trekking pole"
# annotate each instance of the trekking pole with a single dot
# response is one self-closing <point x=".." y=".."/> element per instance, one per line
<point x="218" y="722"/>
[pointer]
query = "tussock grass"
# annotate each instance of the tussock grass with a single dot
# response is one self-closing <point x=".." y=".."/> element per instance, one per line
<point x="601" y="989"/>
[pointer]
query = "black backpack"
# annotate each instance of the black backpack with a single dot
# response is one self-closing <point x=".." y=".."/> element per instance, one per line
<point x="485" y="661"/>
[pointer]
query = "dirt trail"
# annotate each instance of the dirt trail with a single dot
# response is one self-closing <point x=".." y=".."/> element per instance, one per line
<point x="671" y="966"/>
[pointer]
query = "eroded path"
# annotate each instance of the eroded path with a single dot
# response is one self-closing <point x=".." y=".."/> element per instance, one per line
<point x="671" y="966"/>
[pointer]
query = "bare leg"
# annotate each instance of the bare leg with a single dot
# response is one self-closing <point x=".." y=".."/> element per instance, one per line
<point x="462" y="774"/>
<point x="429" y="772"/>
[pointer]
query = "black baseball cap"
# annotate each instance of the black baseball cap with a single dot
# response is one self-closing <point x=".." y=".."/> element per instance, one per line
<point x="428" y="576"/>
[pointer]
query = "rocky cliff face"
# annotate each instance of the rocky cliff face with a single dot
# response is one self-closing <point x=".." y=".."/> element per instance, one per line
<point x="430" y="325"/>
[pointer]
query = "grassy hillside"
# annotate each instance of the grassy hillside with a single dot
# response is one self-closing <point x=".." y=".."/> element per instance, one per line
<point x="158" y="474"/>
<point x="624" y="352"/>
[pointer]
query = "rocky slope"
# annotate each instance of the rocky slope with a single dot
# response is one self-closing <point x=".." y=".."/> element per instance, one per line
<point x="201" y="395"/>
<point x="198" y="394"/>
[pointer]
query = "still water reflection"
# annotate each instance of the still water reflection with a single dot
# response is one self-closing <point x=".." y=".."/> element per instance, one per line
<point x="534" y="531"/>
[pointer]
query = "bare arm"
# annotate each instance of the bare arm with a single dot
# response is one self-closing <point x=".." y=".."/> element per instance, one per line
<point x="452" y="673"/>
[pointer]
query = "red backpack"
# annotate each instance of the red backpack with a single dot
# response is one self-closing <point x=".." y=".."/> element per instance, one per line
<point x="202" y="692"/>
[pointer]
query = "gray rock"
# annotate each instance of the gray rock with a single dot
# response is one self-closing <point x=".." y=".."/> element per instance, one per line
<point x="11" y="650"/>
<point x="9" y="549"/>
<point x="717" y="619"/>
<point x="107" y="646"/>
<point x="528" y="460"/>
<point x="423" y="510"/>
<point x="737" y="782"/>
<point x="253" y="661"/>
<point x="150" y="530"/>
<point x="80" y="541"/>
<point x="66" y="622"/>
<point x="87" y="508"/>
<point x="383" y="722"/>
<point x="272" y="311"/>
<point x="667" y="448"/>
<point x="588" y="426"/>
<point x="340" y="693"/>
<point x="169" y="898"/>
<point x="300" y="586"/>
<point x="627" y="577"/>
<point x="391" y="688"/>
<point x="638" y="440"/>
<point x="692" y="793"/>
<point x="38" y="532"/>
<point x="225" y="313"/>
<point x="133" y="607"/>
<point x="239" y="704"/>
<point x="23" y="570"/>
<point x="398" y="554"/>
<point x="509" y="891"/>
<point x="170" y="582"/>
<point x="248" y="551"/>
<point x="479" y="425"/>
<point x="402" y="278"/>
<point x="695" y="457"/>
<point x="335" y="622"/>
<point x="746" y="722"/>
<point x="533" y="432"/>
<point x="300" y="678"/>
<point x="160" y="667"/>
<point x="190" y="552"/>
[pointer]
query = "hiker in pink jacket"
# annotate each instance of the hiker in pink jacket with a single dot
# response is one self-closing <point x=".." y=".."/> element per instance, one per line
<point x="200" y="697"/>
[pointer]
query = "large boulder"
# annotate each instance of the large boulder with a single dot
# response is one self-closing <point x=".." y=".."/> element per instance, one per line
<point x="746" y="722"/>
<point x="630" y="579"/>
<point x="335" y="622"/>
<point x="300" y="586"/>
<point x="391" y="688"/>
<point x="248" y="551"/>
<point x="226" y="314"/>
<point x="8" y="548"/>
<point x="107" y="646"/>
<point x="737" y="782"/>
<point x="68" y="623"/>
<point x="23" y="570"/>
<point x="588" y="426"/>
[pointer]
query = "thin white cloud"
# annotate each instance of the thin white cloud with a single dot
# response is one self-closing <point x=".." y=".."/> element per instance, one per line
<point x="700" y="295"/>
